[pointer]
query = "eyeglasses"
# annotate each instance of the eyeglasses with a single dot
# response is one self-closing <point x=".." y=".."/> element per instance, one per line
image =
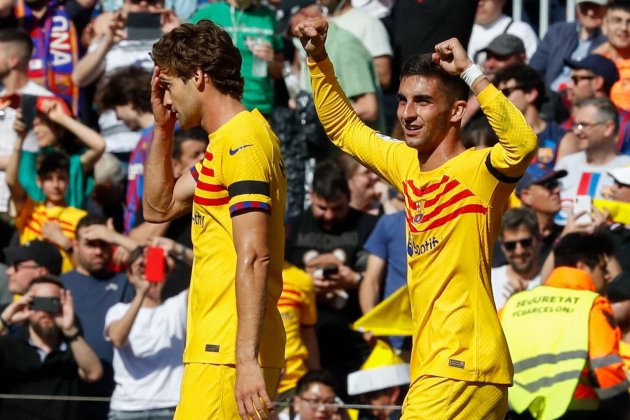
<point x="582" y="126"/>
<point x="19" y="265"/>
<point x="508" y="90"/>
<point x="550" y="184"/>
<point x="329" y="404"/>
<point x="577" y="79"/>
<point x="525" y="243"/>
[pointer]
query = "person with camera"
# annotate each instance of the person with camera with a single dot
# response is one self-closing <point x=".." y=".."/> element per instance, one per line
<point x="148" y="336"/>
<point x="47" y="357"/>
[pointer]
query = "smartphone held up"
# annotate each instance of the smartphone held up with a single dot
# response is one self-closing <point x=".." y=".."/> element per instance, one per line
<point x="155" y="264"/>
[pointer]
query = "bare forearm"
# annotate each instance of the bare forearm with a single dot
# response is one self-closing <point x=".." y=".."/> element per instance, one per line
<point x="11" y="175"/>
<point x="251" y="279"/>
<point x="4" y="161"/>
<point x="118" y="331"/>
<point x="91" y="65"/>
<point x="368" y="294"/>
<point x="310" y="341"/>
<point x="384" y="70"/>
<point x="159" y="182"/>
<point x="90" y="368"/>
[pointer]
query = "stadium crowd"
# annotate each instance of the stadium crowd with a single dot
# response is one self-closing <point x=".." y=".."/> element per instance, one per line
<point x="93" y="298"/>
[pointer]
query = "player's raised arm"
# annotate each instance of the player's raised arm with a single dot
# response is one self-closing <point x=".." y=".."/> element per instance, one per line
<point x="164" y="198"/>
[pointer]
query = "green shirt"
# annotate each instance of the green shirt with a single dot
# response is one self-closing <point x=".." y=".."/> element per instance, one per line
<point x="246" y="26"/>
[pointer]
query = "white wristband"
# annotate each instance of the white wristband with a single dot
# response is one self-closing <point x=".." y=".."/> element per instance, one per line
<point x="472" y="73"/>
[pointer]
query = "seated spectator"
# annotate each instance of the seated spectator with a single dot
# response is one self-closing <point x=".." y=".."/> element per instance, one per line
<point x="16" y="46"/>
<point x="148" y="336"/>
<point x="382" y="382"/>
<point x="50" y="219"/>
<point x="569" y="41"/>
<point x="525" y="88"/>
<point x="96" y="288"/>
<point x="569" y="323"/>
<point x="596" y="123"/>
<point x="252" y="27"/>
<point x="299" y="315"/>
<point x="25" y="263"/>
<point x="315" y="398"/>
<point x="48" y="357"/>
<point x="108" y="195"/>
<point x="490" y="22"/>
<point x="56" y="129"/>
<point x="617" y="49"/>
<point x="520" y="242"/>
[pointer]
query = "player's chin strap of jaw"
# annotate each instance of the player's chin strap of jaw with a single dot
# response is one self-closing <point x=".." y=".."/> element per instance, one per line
<point x="471" y="75"/>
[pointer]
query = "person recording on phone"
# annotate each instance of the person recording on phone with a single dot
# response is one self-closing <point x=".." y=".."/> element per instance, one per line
<point x="47" y="357"/>
<point x="148" y="336"/>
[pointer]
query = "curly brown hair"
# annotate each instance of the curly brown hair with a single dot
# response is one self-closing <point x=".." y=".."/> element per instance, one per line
<point x="204" y="46"/>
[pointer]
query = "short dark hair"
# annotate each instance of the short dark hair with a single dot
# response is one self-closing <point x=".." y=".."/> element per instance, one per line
<point x="204" y="46"/>
<point x="606" y="110"/>
<point x="329" y="181"/>
<point x="128" y="85"/>
<point x="182" y="136"/>
<point x="22" y="39"/>
<point x="423" y="65"/>
<point x="587" y="248"/>
<point x="526" y="78"/>
<point x="618" y="5"/>
<point x="315" y="376"/>
<point x="46" y="278"/>
<point x="89" y="219"/>
<point x="52" y="161"/>
<point x="520" y="216"/>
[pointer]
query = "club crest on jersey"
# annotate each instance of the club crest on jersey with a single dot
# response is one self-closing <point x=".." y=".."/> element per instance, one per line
<point x="198" y="219"/>
<point x="419" y="212"/>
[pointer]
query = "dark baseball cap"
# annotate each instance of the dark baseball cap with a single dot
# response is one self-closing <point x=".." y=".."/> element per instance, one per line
<point x="43" y="253"/>
<point x="505" y="44"/>
<point x="537" y="174"/>
<point x="599" y="65"/>
<point x="286" y="9"/>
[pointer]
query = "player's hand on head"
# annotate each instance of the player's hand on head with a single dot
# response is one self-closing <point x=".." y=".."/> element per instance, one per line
<point x="164" y="118"/>
<point x="312" y="33"/>
<point x="451" y="56"/>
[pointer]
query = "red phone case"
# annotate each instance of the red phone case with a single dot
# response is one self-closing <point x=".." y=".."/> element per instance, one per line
<point x="155" y="264"/>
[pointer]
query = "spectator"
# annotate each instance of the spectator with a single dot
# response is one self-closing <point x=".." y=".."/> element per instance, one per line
<point x="595" y="124"/>
<point x="128" y="92"/>
<point x="299" y="315"/>
<point x="593" y="77"/>
<point x="490" y="22"/>
<point x="369" y="30"/>
<point x="26" y="262"/>
<point x="617" y="49"/>
<point x="354" y="66"/>
<point x="382" y="382"/>
<point x="525" y="88"/>
<point x="564" y="330"/>
<point x="386" y="263"/>
<point x="148" y="337"/>
<point x="96" y="289"/>
<point x="48" y="357"/>
<point x="16" y="46"/>
<point x="503" y="51"/>
<point x="315" y="397"/>
<point x="252" y="27"/>
<point x="362" y="183"/>
<point x="330" y="234"/>
<point x="57" y="129"/>
<point x="569" y="41"/>
<point x="50" y="219"/>
<point x="520" y="242"/>
<point x="108" y="195"/>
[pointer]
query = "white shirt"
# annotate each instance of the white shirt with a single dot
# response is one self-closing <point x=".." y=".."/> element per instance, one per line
<point x="368" y="29"/>
<point x="499" y="279"/>
<point x="481" y="36"/>
<point x="148" y="369"/>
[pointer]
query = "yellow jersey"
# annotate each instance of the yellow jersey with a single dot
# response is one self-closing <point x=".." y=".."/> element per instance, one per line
<point x="242" y="169"/>
<point x="298" y="309"/>
<point x="33" y="215"/>
<point x="453" y="216"/>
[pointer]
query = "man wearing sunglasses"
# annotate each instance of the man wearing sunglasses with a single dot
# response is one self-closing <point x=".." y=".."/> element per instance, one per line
<point x="520" y="242"/>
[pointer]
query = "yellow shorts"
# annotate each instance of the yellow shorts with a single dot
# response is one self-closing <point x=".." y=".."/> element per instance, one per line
<point x="207" y="391"/>
<point x="436" y="398"/>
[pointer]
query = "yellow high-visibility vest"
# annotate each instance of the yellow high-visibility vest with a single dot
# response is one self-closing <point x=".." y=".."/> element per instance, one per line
<point x="547" y="333"/>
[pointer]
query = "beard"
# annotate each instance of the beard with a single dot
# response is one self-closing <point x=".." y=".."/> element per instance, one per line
<point x="47" y="333"/>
